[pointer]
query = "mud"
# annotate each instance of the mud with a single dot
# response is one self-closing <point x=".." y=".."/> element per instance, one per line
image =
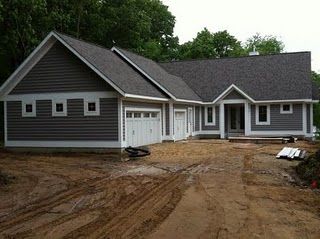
<point x="195" y="189"/>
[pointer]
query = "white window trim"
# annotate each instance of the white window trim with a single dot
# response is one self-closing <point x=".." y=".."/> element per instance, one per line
<point x="213" y="115"/>
<point x="257" y="115"/>
<point x="34" y="109"/>
<point x="65" y="110"/>
<point x="86" y="107"/>
<point x="286" y="112"/>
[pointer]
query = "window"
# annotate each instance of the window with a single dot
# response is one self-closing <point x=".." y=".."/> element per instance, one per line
<point x="137" y="115"/>
<point x="146" y="115"/>
<point x="91" y="107"/>
<point x="59" y="107"/>
<point x="129" y="115"/>
<point x="262" y="114"/>
<point x="29" y="108"/>
<point x="154" y="115"/>
<point x="286" y="108"/>
<point x="210" y="115"/>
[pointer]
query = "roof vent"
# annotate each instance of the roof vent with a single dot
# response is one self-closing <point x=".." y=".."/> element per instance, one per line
<point x="254" y="52"/>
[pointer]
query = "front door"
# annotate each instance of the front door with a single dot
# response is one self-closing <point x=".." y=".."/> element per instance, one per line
<point x="236" y="118"/>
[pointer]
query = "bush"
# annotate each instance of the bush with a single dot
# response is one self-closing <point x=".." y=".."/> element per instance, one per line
<point x="309" y="170"/>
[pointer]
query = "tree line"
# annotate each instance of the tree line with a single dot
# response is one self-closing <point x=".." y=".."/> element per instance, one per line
<point x="143" y="26"/>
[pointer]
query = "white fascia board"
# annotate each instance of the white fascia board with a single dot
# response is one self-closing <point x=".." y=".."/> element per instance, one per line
<point x="69" y="95"/>
<point x="63" y="144"/>
<point x="143" y="72"/>
<point x="15" y="78"/>
<point x="282" y="101"/>
<point x="144" y="109"/>
<point x="190" y="101"/>
<point x="145" y="97"/>
<point x="110" y="82"/>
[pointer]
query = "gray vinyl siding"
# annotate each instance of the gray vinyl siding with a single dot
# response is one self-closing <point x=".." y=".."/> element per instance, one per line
<point x="136" y="105"/>
<point x="167" y="120"/>
<point x="308" y="119"/>
<point x="60" y="71"/>
<point x="279" y="121"/>
<point x="234" y="95"/>
<point x="197" y="118"/>
<point x="210" y="127"/>
<point x="75" y="126"/>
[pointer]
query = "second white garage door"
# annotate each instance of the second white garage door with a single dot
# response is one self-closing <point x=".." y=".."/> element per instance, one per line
<point x="142" y="128"/>
<point x="180" y="125"/>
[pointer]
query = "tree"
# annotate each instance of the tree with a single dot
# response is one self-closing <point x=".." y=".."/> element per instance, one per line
<point x="316" y="107"/>
<point x="264" y="44"/>
<point x="211" y="45"/>
<point x="226" y="45"/>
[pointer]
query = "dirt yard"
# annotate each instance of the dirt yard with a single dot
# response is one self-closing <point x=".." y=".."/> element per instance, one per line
<point x="194" y="189"/>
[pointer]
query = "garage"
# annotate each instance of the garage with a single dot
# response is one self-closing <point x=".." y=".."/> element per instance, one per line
<point x="180" y="125"/>
<point x="143" y="128"/>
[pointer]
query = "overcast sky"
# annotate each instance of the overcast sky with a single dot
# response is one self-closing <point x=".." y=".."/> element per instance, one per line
<point x="295" y="22"/>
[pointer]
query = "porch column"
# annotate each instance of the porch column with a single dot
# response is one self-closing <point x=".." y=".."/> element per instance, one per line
<point x="171" y="120"/>
<point x="247" y="118"/>
<point x="221" y="121"/>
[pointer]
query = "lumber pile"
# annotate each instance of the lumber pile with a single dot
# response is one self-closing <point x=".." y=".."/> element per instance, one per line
<point x="291" y="153"/>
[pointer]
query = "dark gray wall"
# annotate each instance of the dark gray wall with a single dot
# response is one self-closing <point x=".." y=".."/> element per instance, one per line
<point x="211" y="127"/>
<point x="308" y="119"/>
<point x="60" y="71"/>
<point x="75" y="126"/>
<point x="1" y="122"/>
<point x="234" y="95"/>
<point x="136" y="105"/>
<point x="279" y="121"/>
<point x="197" y="118"/>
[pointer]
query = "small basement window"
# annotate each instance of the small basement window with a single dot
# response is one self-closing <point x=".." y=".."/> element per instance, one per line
<point x="92" y="107"/>
<point x="59" y="107"/>
<point x="286" y="108"/>
<point x="210" y="115"/>
<point x="29" y="108"/>
<point x="262" y="114"/>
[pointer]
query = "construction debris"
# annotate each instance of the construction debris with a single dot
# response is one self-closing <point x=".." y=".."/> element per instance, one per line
<point x="291" y="153"/>
<point x="258" y="140"/>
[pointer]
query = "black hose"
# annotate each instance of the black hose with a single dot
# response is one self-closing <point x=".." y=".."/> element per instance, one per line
<point x="137" y="152"/>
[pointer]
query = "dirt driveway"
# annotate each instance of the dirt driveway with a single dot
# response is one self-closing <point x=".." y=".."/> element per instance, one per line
<point x="197" y="189"/>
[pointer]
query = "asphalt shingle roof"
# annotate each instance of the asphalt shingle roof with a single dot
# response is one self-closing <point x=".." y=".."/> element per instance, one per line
<point x="173" y="84"/>
<point x="271" y="77"/>
<point x="114" y="68"/>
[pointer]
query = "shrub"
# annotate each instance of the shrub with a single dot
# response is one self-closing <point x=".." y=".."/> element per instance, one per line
<point x="309" y="170"/>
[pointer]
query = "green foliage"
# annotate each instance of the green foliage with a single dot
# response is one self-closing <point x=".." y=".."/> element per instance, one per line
<point x="316" y="107"/>
<point x="211" y="45"/>
<point x="309" y="170"/>
<point x="264" y="44"/>
<point x="144" y="26"/>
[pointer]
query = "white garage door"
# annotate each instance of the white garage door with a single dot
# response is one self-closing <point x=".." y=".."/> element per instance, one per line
<point x="180" y="125"/>
<point x="142" y="128"/>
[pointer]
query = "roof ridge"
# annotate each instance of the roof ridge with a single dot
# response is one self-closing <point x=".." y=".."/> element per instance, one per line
<point x="85" y="41"/>
<point x="234" y="57"/>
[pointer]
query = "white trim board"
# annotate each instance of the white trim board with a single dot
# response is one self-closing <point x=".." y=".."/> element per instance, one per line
<point x="63" y="144"/>
<point x="280" y="132"/>
<point x="69" y="96"/>
<point x="145" y="97"/>
<point x="142" y="71"/>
